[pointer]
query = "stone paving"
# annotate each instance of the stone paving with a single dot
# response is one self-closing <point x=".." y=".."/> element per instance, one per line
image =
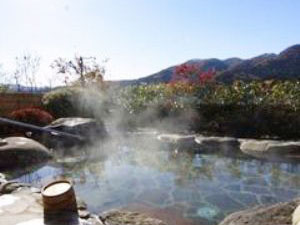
<point x="23" y="206"/>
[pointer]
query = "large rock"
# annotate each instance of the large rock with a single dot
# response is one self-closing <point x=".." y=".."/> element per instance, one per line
<point x="80" y="126"/>
<point x="118" y="217"/>
<point x="213" y="144"/>
<point x="177" y="141"/>
<point x="269" y="149"/>
<point x="277" y="214"/>
<point x="177" y="138"/>
<point x="87" y="128"/>
<point x="19" y="151"/>
<point x="296" y="216"/>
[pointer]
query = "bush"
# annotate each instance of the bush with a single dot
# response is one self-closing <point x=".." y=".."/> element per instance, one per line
<point x="76" y="102"/>
<point x="3" y="88"/>
<point x="33" y="116"/>
<point x="255" y="109"/>
<point x="61" y="102"/>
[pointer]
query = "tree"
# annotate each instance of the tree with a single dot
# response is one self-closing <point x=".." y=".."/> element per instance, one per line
<point x="4" y="87"/>
<point x="17" y="76"/>
<point x="192" y="74"/>
<point x="85" y="69"/>
<point x="27" y="67"/>
<point x="4" y="79"/>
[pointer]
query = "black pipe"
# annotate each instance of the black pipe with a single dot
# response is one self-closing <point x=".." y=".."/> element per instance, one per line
<point x="41" y="129"/>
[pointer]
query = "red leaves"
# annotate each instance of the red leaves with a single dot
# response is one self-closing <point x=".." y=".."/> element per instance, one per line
<point x="34" y="116"/>
<point x="192" y="74"/>
<point x="206" y="77"/>
<point x="185" y="69"/>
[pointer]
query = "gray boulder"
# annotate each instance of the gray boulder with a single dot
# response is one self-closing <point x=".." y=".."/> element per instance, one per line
<point x="87" y="128"/>
<point x="12" y="186"/>
<point x="269" y="149"/>
<point x="277" y="214"/>
<point x="20" y="151"/>
<point x="213" y="144"/>
<point x="177" y="141"/>
<point x="80" y="126"/>
<point x="118" y="217"/>
<point x="176" y="138"/>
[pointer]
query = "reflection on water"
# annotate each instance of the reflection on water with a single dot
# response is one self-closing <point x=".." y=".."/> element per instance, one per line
<point x="201" y="187"/>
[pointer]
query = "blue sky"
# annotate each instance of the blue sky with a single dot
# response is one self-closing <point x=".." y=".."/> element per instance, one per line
<point x="141" y="37"/>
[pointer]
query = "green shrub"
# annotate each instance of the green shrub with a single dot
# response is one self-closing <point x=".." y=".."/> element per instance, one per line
<point x="3" y="88"/>
<point x="254" y="109"/>
<point x="76" y="101"/>
<point x="61" y="102"/>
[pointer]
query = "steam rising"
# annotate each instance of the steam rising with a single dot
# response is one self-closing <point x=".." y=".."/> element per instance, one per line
<point x="104" y="106"/>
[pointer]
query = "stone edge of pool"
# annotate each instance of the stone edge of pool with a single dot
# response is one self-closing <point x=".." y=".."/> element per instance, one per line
<point x="21" y="204"/>
<point x="265" y="149"/>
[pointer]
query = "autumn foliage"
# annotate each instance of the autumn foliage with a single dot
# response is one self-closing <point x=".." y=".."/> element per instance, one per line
<point x="33" y="116"/>
<point x="244" y="109"/>
<point x="192" y="74"/>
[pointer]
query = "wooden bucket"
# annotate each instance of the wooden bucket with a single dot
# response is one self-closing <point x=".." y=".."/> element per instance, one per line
<point x="59" y="196"/>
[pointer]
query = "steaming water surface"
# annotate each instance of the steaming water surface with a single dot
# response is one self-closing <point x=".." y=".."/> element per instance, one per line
<point x="189" y="187"/>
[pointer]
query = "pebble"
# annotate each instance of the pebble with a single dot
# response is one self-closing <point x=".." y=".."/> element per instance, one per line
<point x="84" y="214"/>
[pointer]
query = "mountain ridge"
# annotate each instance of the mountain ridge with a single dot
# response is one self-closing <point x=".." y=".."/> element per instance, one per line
<point x="285" y="65"/>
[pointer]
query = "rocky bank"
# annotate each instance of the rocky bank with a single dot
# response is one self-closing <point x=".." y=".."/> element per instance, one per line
<point x="21" y="204"/>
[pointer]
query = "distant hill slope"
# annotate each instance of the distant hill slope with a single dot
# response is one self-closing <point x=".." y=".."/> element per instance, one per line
<point x="285" y="65"/>
<point x="165" y="75"/>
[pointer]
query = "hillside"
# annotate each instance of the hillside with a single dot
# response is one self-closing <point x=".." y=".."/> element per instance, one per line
<point x="166" y="74"/>
<point x="285" y="65"/>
